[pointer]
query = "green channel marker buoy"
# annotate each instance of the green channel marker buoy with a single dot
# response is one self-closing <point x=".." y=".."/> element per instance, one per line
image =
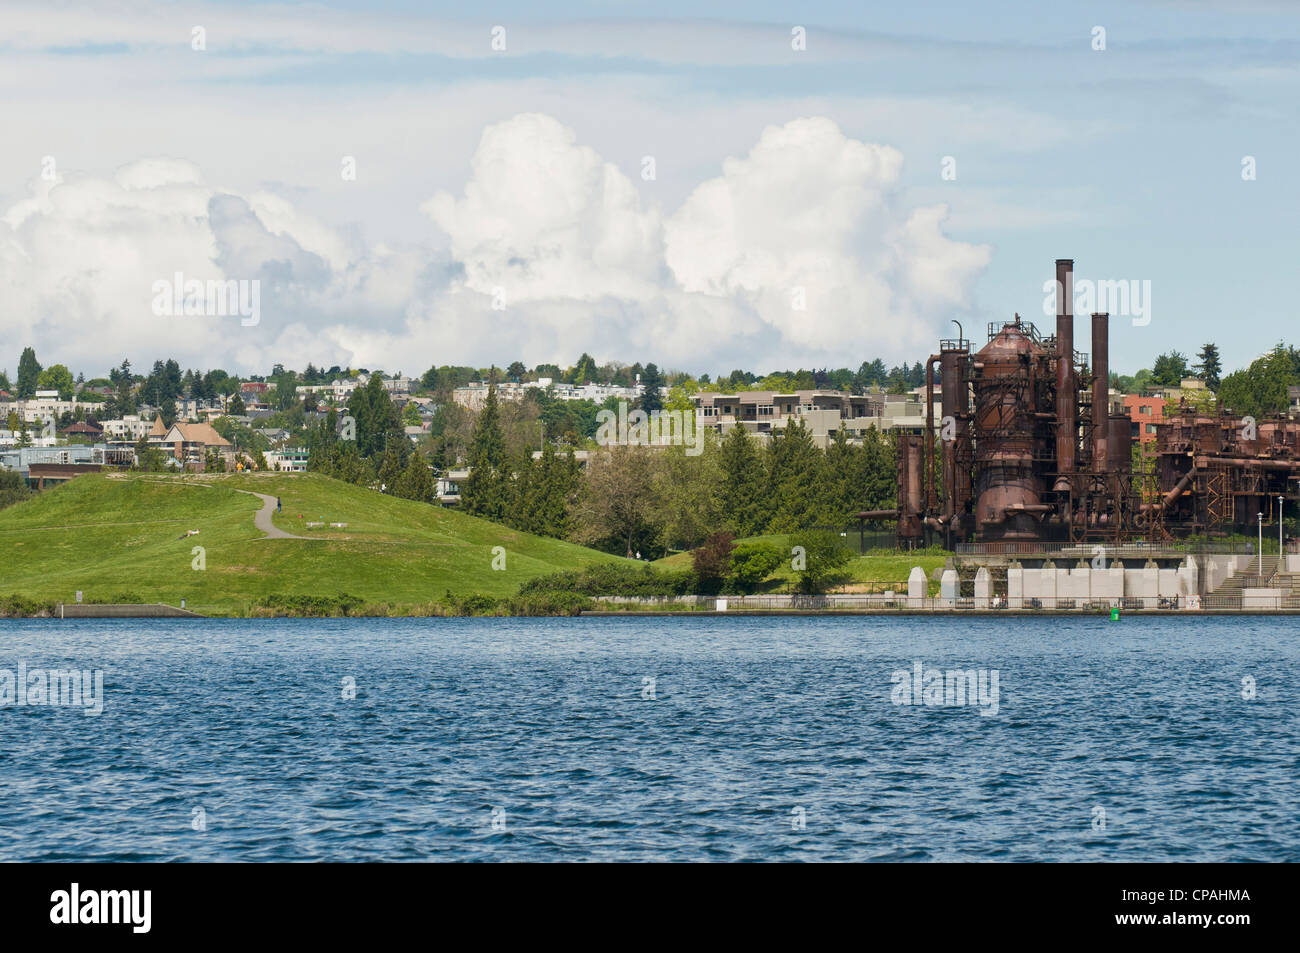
<point x="1114" y="613"/>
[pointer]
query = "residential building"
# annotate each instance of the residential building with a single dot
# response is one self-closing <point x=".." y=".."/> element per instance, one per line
<point x="188" y="444"/>
<point x="337" y="391"/>
<point x="1145" y="413"/>
<point x="473" y="394"/>
<point x="293" y="460"/>
<point x="89" y="431"/>
<point x="274" y="435"/>
<point x="41" y="466"/>
<point x="823" y="412"/>
<point x="127" y="429"/>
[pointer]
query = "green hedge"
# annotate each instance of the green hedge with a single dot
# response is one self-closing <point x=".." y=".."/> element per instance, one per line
<point x="614" y="579"/>
<point x="22" y="607"/>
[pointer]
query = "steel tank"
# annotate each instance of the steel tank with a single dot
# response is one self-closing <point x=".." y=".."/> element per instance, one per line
<point x="1008" y="492"/>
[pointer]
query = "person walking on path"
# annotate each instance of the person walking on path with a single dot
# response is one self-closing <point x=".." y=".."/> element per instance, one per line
<point x="277" y="504"/>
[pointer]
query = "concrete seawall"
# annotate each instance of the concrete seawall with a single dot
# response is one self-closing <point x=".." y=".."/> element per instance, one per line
<point x="157" y="610"/>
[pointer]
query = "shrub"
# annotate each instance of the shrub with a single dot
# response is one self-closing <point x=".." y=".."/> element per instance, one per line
<point x="712" y="561"/>
<point x="313" y="606"/>
<point x="549" y="604"/>
<point x="751" y="563"/>
<point x="13" y="488"/>
<point x="474" y="603"/>
<point x="21" y="607"/>
<point x="121" y="598"/>
<point x="613" y="579"/>
<point x="824" y="554"/>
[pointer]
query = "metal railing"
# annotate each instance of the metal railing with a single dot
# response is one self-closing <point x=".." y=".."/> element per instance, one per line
<point x="1088" y="548"/>
<point x="901" y="602"/>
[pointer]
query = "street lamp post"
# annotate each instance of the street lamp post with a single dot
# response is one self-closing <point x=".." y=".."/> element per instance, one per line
<point x="1281" y="501"/>
<point x="1260" y="517"/>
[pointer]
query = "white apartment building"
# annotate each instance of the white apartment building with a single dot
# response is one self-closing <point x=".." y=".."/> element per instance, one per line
<point x="129" y="428"/>
<point x="473" y="395"/>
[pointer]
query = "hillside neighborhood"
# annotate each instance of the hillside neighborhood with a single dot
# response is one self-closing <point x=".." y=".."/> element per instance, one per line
<point x="519" y="445"/>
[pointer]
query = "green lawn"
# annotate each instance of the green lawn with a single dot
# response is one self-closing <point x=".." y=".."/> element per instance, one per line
<point x="864" y="571"/>
<point x="113" y="534"/>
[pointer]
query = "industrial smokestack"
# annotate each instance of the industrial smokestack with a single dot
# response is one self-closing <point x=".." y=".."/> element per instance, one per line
<point x="1066" y="397"/>
<point x="1100" y="389"/>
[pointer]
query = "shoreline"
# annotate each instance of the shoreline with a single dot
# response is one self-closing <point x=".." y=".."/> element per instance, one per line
<point x="165" y="611"/>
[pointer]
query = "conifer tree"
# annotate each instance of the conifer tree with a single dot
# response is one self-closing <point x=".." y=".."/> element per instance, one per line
<point x="485" y="491"/>
<point x="743" y="508"/>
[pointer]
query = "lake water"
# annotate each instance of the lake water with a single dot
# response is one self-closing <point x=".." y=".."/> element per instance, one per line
<point x="653" y="738"/>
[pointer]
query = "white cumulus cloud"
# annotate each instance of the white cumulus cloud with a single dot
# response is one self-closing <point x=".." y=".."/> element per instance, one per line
<point x="803" y="251"/>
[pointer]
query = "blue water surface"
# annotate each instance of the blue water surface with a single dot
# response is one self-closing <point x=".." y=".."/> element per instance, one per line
<point x="720" y="738"/>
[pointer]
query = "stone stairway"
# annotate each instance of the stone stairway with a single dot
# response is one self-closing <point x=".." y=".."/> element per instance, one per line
<point x="1272" y="578"/>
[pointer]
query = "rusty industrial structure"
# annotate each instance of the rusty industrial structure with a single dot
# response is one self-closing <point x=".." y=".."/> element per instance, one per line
<point x="1027" y="449"/>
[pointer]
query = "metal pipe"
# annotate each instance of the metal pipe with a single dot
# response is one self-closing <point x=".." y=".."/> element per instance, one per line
<point x="876" y="515"/>
<point x="1179" y="488"/>
<point x="1066" y="399"/>
<point x="949" y="383"/>
<point x="1100" y="390"/>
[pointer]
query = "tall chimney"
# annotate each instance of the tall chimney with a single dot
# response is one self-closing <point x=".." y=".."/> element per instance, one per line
<point x="1100" y="389"/>
<point x="1066" y="397"/>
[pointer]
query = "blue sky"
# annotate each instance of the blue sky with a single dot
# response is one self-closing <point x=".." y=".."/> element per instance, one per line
<point x="1128" y="159"/>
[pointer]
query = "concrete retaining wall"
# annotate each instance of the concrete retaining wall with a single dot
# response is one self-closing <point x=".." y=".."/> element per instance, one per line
<point x="157" y="610"/>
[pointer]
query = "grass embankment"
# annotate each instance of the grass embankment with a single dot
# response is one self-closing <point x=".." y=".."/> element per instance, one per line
<point x="870" y="573"/>
<point x="121" y="538"/>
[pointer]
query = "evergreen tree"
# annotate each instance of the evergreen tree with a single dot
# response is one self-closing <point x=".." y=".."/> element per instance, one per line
<point x="795" y="469"/>
<point x="1169" y="369"/>
<point x="651" y="381"/>
<point x="29" y="372"/>
<point x="1209" y="367"/>
<point x="742" y="502"/>
<point x="415" y="482"/>
<point x="484" y="493"/>
<point x="584" y="371"/>
<point x="390" y="469"/>
<point x="843" y="490"/>
<point x="558" y="482"/>
<point x="124" y="399"/>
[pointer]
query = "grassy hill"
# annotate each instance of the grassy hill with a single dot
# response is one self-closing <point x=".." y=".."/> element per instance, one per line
<point x="115" y="535"/>
<point x="865" y="572"/>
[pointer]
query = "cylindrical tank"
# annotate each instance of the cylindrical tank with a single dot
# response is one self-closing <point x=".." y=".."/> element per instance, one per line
<point x="1119" y="447"/>
<point x="909" y="487"/>
<point x="1008" y="493"/>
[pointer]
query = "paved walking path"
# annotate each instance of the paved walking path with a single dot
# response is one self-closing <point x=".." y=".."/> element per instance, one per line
<point x="263" y="518"/>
